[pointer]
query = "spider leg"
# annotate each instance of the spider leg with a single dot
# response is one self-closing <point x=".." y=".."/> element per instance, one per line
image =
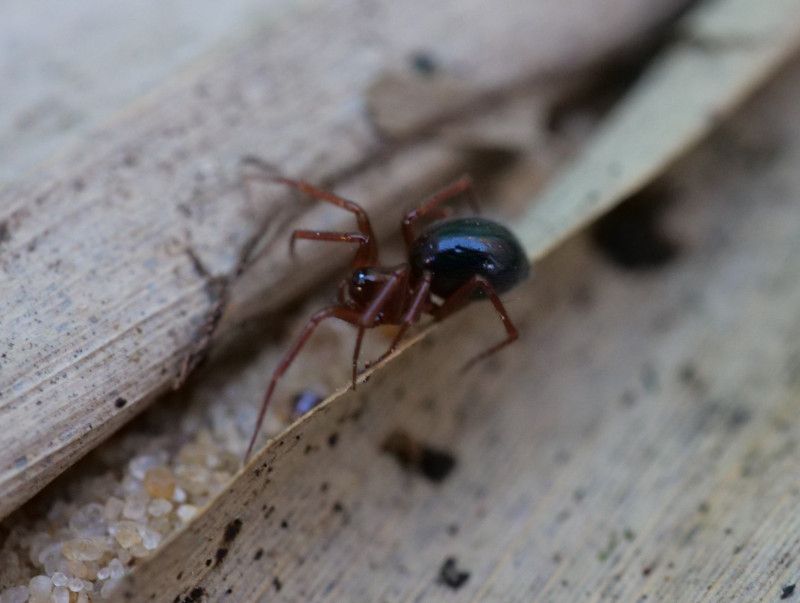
<point x="371" y="316"/>
<point x="461" y="297"/>
<point x="318" y="235"/>
<point x="345" y="314"/>
<point x="462" y="185"/>
<point x="413" y="312"/>
<point x="367" y="254"/>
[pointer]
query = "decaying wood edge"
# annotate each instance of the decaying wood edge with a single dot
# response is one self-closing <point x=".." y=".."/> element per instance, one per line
<point x="101" y="301"/>
<point x="592" y="188"/>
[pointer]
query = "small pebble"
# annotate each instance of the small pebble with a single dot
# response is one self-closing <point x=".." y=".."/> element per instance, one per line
<point x="117" y="569"/>
<point x="150" y="538"/>
<point x="159" y="482"/>
<point x="75" y="585"/>
<point x="159" y="507"/>
<point x="50" y="557"/>
<point x="60" y="594"/>
<point x="15" y="594"/>
<point x="40" y="586"/>
<point x="60" y="579"/>
<point x="136" y="505"/>
<point x="78" y="569"/>
<point x="139" y="551"/>
<point x="186" y="512"/>
<point x="89" y="548"/>
<point x="141" y="464"/>
<point x="180" y="495"/>
<point x="193" y="478"/>
<point x="91" y="570"/>
<point x="126" y="533"/>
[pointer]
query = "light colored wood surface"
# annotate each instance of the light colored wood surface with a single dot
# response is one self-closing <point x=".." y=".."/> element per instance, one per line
<point x="100" y="299"/>
<point x="68" y="68"/>
<point x="638" y="443"/>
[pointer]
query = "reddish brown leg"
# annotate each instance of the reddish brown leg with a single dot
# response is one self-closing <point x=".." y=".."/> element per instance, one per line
<point x="338" y="237"/>
<point x="368" y="319"/>
<point x="462" y="296"/>
<point x="412" y="314"/>
<point x="367" y="254"/>
<point x="345" y="314"/>
<point x="427" y="207"/>
<point x="357" y="353"/>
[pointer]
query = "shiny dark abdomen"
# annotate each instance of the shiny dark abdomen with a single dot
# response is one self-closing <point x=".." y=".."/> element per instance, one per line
<point x="455" y="250"/>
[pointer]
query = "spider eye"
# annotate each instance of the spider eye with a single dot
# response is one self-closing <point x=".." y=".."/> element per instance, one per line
<point x="360" y="278"/>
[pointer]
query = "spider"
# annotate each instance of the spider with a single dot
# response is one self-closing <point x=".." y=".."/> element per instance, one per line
<point x="451" y="262"/>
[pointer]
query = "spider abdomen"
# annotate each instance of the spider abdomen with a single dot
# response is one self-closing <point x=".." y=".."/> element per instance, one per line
<point x="455" y="250"/>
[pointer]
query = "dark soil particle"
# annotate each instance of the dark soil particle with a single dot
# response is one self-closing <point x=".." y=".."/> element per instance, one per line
<point x="436" y="465"/>
<point x="450" y="575"/>
<point x="195" y="596"/>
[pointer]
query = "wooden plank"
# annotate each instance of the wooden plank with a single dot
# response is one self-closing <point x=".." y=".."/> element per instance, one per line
<point x="100" y="299"/>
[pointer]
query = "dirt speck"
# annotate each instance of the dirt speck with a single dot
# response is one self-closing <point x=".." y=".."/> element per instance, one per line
<point x="450" y="574"/>
<point x="195" y="596"/>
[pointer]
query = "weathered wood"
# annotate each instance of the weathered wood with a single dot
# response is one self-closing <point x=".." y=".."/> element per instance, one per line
<point x="101" y="301"/>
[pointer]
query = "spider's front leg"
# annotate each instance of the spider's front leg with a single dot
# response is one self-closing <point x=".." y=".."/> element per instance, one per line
<point x="346" y="314"/>
<point x="381" y="310"/>
<point x="419" y="298"/>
